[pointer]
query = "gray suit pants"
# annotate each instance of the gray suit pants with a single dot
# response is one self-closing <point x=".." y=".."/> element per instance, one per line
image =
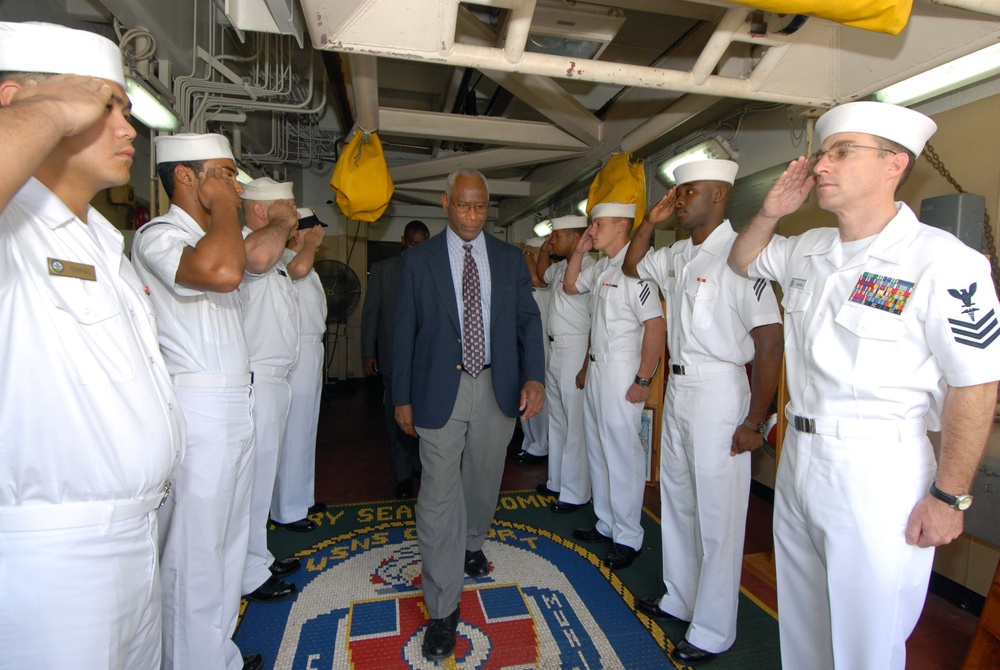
<point x="463" y="464"/>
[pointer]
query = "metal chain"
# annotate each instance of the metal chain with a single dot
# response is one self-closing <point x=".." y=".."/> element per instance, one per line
<point x="991" y="248"/>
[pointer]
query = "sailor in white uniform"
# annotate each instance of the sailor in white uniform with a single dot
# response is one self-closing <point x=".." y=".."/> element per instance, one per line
<point x="191" y="260"/>
<point x="890" y="331"/>
<point x="535" y="446"/>
<point x="567" y="332"/>
<point x="717" y="322"/>
<point x="271" y="323"/>
<point x="295" y="485"/>
<point x="626" y="343"/>
<point x="91" y="427"/>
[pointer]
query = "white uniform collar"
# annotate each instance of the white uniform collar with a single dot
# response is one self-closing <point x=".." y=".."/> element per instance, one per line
<point x="46" y="204"/>
<point x="718" y="240"/>
<point x="888" y="244"/>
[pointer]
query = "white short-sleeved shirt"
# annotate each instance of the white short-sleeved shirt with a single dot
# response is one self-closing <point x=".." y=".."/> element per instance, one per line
<point x="201" y="332"/>
<point x="270" y="315"/>
<point x="710" y="309"/>
<point x="568" y="314"/>
<point x="312" y="301"/>
<point x="882" y="335"/>
<point x="619" y="306"/>
<point x="88" y="411"/>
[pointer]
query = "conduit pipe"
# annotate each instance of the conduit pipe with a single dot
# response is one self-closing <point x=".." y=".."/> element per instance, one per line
<point x="517" y="31"/>
<point x="717" y="44"/>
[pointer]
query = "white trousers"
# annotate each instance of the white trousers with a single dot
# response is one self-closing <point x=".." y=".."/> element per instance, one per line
<point x="704" y="493"/>
<point x="270" y="412"/>
<point x="204" y="530"/>
<point x="295" y="485"/>
<point x="568" y="470"/>
<point x="850" y="590"/>
<point x="614" y="452"/>
<point x="536" y="433"/>
<point x="81" y="598"/>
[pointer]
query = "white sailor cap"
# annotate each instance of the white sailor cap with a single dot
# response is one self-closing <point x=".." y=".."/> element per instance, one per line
<point x="48" y="48"/>
<point x="706" y="170"/>
<point x="564" y="222"/>
<point x="308" y="219"/>
<point x="900" y="124"/>
<point x="191" y="147"/>
<point x="616" y="210"/>
<point x="265" y="188"/>
<point x="535" y="242"/>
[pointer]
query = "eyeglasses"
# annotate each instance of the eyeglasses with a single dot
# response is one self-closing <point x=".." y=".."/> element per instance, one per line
<point x="464" y="207"/>
<point x="841" y="151"/>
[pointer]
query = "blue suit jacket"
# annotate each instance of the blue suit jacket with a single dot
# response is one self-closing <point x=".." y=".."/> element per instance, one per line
<point x="427" y="345"/>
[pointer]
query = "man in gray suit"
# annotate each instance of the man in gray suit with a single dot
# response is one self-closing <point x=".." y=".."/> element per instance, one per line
<point x="377" y="317"/>
<point x="467" y="360"/>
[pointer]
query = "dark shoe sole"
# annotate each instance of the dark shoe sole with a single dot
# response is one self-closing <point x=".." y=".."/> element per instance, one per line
<point x="591" y="535"/>
<point x="564" y="508"/>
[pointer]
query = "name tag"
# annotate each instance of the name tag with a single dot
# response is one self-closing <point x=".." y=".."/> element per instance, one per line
<point x="797" y="283"/>
<point x="60" y="268"/>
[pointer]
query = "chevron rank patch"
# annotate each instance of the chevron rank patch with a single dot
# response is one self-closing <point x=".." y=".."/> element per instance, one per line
<point x="881" y="292"/>
<point x="970" y="331"/>
<point x="644" y="292"/>
<point x="758" y="288"/>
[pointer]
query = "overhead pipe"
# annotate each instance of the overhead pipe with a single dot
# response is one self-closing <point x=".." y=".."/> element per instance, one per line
<point x="717" y="44"/>
<point x="518" y="27"/>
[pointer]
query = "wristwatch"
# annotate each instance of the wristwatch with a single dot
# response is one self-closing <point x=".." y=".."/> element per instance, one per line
<point x="756" y="427"/>
<point x="643" y="381"/>
<point x="960" y="502"/>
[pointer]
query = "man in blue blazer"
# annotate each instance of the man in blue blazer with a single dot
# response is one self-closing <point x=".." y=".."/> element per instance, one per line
<point x="467" y="360"/>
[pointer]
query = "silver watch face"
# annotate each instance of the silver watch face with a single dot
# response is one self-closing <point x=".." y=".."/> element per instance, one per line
<point x="963" y="502"/>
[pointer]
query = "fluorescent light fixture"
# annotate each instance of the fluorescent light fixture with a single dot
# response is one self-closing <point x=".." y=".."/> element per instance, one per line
<point x="149" y="108"/>
<point x="944" y="78"/>
<point x="242" y="176"/>
<point x="543" y="228"/>
<point x="582" y="207"/>
<point x="577" y="32"/>
<point x="712" y="148"/>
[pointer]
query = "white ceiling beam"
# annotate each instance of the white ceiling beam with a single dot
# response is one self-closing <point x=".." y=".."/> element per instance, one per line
<point x="988" y="7"/>
<point x="488" y="159"/>
<point x="500" y="187"/>
<point x="484" y="129"/>
<point x="718" y="43"/>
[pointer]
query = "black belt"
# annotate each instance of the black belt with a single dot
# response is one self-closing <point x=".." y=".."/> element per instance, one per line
<point x="551" y="339"/>
<point x="677" y="369"/>
<point x="593" y="358"/>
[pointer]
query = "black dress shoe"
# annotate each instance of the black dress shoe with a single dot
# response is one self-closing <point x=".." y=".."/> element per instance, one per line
<point x="300" y="526"/>
<point x="439" y="640"/>
<point x="564" y="507"/>
<point x="404" y="490"/>
<point x="285" y="567"/>
<point x="272" y="591"/>
<point x="253" y="662"/>
<point x="545" y="490"/>
<point x="524" y="458"/>
<point x="317" y="508"/>
<point x="590" y="535"/>
<point x="620" y="556"/>
<point x="687" y="653"/>
<point x="476" y="565"/>
<point x="651" y="607"/>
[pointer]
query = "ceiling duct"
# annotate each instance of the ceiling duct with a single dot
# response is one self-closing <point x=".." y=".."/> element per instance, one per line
<point x="580" y="32"/>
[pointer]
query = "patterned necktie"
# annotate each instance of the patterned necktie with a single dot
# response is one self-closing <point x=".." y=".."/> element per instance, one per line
<point x="473" y="339"/>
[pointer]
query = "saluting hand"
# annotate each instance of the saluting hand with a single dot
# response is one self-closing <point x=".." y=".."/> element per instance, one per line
<point x="217" y="191"/>
<point x="283" y="213"/>
<point x="663" y="209"/>
<point x="77" y="102"/>
<point x="790" y="191"/>
<point x="586" y="243"/>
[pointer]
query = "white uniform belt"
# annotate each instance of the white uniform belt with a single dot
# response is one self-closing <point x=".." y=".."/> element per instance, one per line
<point x="857" y="428"/>
<point x="212" y="381"/>
<point x="698" y="369"/>
<point x="615" y="356"/>
<point x="78" y="514"/>
<point x="577" y="337"/>
<point x="273" y="371"/>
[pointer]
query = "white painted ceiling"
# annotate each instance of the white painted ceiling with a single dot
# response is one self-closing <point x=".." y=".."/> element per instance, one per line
<point x="448" y="83"/>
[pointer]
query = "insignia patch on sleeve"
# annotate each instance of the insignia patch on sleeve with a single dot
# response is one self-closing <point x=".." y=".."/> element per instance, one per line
<point x="881" y="292"/>
<point x="644" y="292"/>
<point x="979" y="334"/>
<point x="758" y="288"/>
